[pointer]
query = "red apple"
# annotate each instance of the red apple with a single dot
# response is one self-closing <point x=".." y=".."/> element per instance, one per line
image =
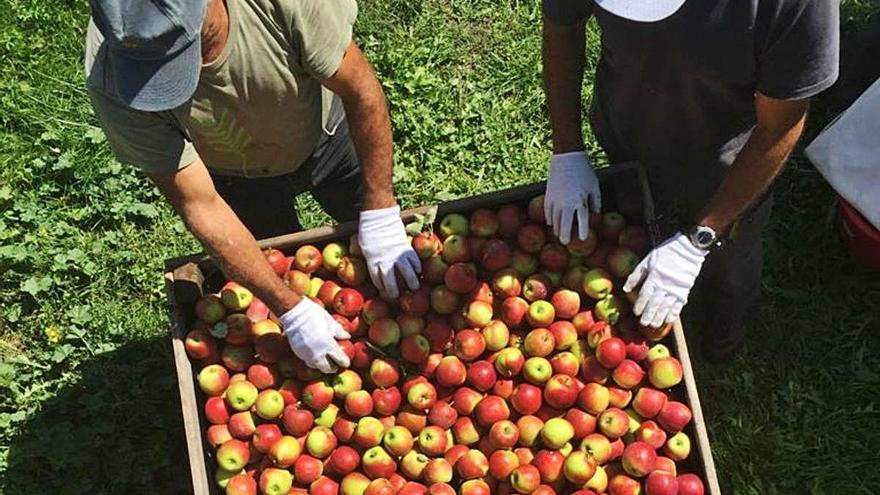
<point x="525" y="478"/>
<point x="434" y="269"/>
<point x="483" y="223"/>
<point x="461" y="278"/>
<point x="611" y="352"/>
<point x="566" y="302"/>
<point x="531" y="238"/>
<point x="216" y="411"/>
<point x="450" y="372"/>
<point x="510" y="218"/>
<point x="690" y="484"/>
<point x="579" y="467"/>
<point x="324" y="486"/>
<point x="651" y="433"/>
<point x="297" y="421"/>
<point x="469" y="344"/>
<point x="660" y="483"/>
<point x="426" y="244"/>
<point x="285" y="451"/>
<point x="456" y="248"/>
<point x="613" y="423"/>
<point x="199" y="344"/>
<point x="638" y="459"/>
<point x="507" y="283"/>
<point x="564" y="334"/>
<point x="217" y="435"/>
<point x="213" y="379"/>
<point x="491" y="409"/>
<point x="472" y="465"/>
<point x="307" y="469"/>
<point x="648" y="402"/>
<point x="584" y="423"/>
<point x="210" y="309"/>
<point x="509" y="362"/>
<point x="554" y="257"/>
<point x="464" y="431"/>
<point x="502" y="463"/>
<point x="537" y="287"/>
<point x="594" y="398"/>
<point x="549" y="464"/>
<point x="473" y="487"/>
<point x="343" y="460"/>
<point x="561" y="391"/>
<point x="241" y="484"/>
<point x="443" y="300"/>
<point x="443" y="415"/>
<point x="495" y="255"/>
<point x="415" y="348"/>
<point x="352" y="271"/>
<point x="481" y="374"/>
<point x="317" y="395"/>
<point x="665" y="372"/>
<point x="503" y="434"/>
<point x="264" y="436"/>
<point x="621" y="484"/>
<point x="628" y="374"/>
<point x="513" y="311"/>
<point x="565" y="363"/>
<point x="348" y="302"/>
<point x="384" y="373"/>
<point x="674" y="416"/>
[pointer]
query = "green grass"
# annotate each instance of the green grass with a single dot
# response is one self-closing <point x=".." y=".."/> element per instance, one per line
<point x="88" y="402"/>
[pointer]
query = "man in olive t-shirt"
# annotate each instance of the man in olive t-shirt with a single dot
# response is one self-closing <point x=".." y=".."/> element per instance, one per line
<point x="232" y="108"/>
<point x="711" y="97"/>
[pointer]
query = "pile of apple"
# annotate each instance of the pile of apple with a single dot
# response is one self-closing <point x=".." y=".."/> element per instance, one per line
<point x="517" y="367"/>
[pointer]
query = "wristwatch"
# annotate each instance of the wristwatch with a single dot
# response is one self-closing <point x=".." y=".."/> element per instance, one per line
<point x="703" y="237"/>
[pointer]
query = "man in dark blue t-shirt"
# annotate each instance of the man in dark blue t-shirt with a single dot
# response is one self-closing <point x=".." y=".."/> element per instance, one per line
<point x="711" y="97"/>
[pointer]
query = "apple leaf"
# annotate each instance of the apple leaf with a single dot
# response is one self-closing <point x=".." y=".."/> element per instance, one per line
<point x="413" y="228"/>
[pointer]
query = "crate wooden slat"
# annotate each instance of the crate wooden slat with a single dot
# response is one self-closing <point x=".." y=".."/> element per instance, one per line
<point x="625" y="189"/>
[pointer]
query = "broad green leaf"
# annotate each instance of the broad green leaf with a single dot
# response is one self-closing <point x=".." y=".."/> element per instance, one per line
<point x="35" y="285"/>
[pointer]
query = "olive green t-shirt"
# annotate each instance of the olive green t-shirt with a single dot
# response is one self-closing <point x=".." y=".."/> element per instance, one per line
<point x="259" y="108"/>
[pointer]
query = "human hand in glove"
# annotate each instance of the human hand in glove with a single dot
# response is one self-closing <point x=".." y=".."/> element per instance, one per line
<point x="669" y="272"/>
<point x="383" y="241"/>
<point x="572" y="191"/>
<point x="312" y="334"/>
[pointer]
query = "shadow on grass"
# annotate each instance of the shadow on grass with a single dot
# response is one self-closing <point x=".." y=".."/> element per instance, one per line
<point x="118" y="430"/>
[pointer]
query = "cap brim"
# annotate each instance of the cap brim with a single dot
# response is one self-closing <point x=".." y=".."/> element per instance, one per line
<point x="158" y="85"/>
<point x="641" y="10"/>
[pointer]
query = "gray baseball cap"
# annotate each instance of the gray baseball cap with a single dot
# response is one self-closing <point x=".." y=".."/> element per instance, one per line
<point x="154" y="48"/>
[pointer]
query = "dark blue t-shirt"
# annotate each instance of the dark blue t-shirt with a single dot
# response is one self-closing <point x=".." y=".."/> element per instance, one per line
<point x="678" y="94"/>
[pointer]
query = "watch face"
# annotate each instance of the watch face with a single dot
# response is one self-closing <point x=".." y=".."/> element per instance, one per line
<point x="704" y="238"/>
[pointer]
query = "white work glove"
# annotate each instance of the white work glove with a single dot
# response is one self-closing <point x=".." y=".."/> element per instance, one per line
<point x="312" y="333"/>
<point x="669" y="272"/>
<point x="383" y="241"/>
<point x="572" y="186"/>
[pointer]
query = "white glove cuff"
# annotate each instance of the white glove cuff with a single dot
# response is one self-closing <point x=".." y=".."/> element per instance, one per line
<point x="290" y="321"/>
<point x="688" y="250"/>
<point x="570" y="159"/>
<point x="382" y="216"/>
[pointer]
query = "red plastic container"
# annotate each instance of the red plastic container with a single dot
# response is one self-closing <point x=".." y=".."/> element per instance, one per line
<point x="860" y="236"/>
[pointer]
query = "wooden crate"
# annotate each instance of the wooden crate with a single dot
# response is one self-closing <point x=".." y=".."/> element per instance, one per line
<point x="624" y="189"/>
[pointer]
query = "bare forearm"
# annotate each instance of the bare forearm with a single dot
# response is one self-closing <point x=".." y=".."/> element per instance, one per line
<point x="370" y="128"/>
<point x="757" y="165"/>
<point x="564" y="52"/>
<point x="235" y="251"/>
<point x="369" y="123"/>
